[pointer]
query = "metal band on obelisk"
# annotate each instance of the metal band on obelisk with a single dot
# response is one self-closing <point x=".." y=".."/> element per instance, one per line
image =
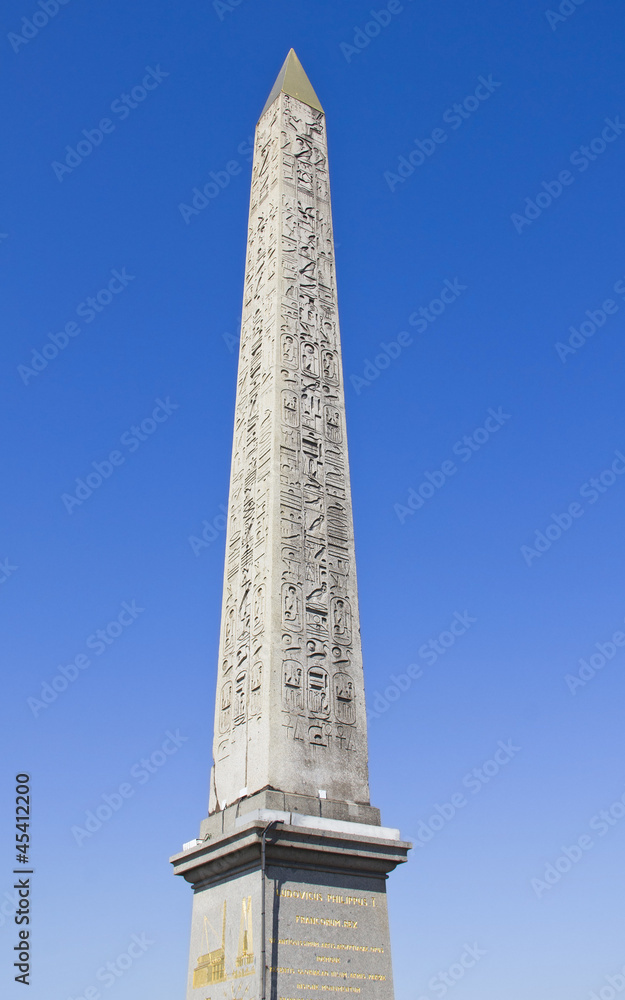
<point x="290" y="737"/>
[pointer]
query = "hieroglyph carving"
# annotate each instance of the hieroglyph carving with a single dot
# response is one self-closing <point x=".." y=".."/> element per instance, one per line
<point x="290" y="636"/>
<point x="318" y="516"/>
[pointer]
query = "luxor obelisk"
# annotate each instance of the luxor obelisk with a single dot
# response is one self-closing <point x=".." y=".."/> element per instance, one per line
<point x="289" y="870"/>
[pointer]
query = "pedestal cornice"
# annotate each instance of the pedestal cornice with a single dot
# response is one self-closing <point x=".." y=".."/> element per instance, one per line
<point x="336" y="851"/>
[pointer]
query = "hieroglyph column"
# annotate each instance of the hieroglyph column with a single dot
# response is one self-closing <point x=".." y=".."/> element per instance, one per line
<point x="290" y="711"/>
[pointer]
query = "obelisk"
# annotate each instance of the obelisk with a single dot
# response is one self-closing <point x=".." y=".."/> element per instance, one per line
<point x="289" y="869"/>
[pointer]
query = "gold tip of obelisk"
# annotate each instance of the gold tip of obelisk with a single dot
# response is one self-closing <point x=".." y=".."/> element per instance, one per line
<point x="292" y="80"/>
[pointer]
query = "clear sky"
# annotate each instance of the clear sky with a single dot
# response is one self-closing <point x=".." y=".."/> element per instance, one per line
<point x="477" y="155"/>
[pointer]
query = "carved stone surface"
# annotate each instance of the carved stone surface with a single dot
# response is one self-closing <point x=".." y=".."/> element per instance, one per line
<point x="289" y="788"/>
<point x="290" y="710"/>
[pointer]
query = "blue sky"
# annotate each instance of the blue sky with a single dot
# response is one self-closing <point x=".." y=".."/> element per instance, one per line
<point x="514" y="205"/>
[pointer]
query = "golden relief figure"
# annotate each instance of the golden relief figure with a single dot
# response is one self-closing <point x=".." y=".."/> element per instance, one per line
<point x="211" y="968"/>
<point x="245" y="954"/>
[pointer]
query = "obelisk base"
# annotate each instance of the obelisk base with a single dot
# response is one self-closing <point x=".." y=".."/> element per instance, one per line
<point x="325" y="915"/>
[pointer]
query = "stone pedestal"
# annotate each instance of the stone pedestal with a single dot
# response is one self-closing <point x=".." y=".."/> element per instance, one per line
<point x="326" y="923"/>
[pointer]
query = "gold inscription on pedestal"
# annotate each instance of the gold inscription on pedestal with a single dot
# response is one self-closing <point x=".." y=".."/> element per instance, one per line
<point x="323" y="973"/>
<point x="326" y="921"/>
<point x="328" y="988"/>
<point x="333" y="978"/>
<point x="351" y="900"/>
<point x="331" y="945"/>
<point x="316" y="897"/>
<point x="338" y="989"/>
<point x="300" y="944"/>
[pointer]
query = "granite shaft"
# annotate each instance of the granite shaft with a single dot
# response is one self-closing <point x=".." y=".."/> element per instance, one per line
<point x="290" y="709"/>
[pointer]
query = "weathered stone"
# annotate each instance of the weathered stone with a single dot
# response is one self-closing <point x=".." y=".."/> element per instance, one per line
<point x="290" y="710"/>
<point x="290" y="744"/>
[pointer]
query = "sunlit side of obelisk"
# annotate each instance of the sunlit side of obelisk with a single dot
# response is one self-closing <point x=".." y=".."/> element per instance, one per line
<point x="299" y="909"/>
